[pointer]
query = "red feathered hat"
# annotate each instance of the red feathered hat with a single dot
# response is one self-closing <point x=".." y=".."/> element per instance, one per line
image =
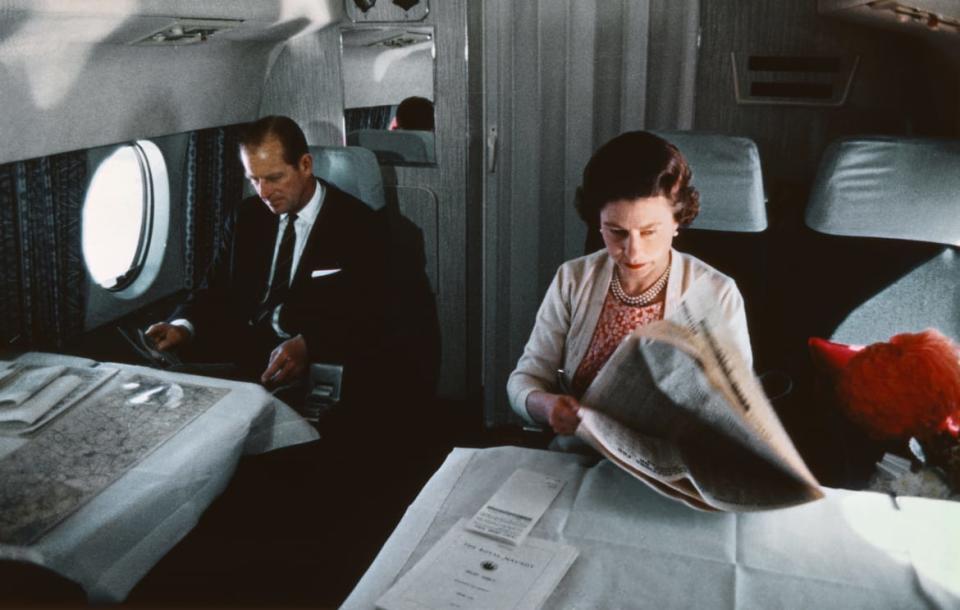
<point x="908" y="386"/>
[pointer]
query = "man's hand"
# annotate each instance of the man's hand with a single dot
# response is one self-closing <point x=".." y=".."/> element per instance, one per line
<point x="559" y="410"/>
<point x="167" y="336"/>
<point x="287" y="361"/>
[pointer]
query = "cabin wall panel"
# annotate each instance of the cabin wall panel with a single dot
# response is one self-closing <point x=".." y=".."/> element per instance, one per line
<point x="561" y="78"/>
<point x="524" y="167"/>
<point x="674" y="35"/>
<point x="103" y="306"/>
<point x="897" y="90"/>
<point x="633" y="66"/>
<point x="554" y="17"/>
<point x="890" y="94"/>
<point x="448" y="181"/>
<point x="582" y="104"/>
<point x="475" y="204"/>
<point x="420" y="206"/>
<point x="305" y="83"/>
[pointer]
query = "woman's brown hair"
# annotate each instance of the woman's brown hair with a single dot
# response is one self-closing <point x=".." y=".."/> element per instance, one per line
<point x="637" y="164"/>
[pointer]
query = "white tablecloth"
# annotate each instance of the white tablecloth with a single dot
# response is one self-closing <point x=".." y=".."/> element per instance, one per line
<point x="641" y="550"/>
<point x="114" y="539"/>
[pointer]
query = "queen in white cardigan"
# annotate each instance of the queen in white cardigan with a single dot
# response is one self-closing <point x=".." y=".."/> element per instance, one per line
<point x="636" y="191"/>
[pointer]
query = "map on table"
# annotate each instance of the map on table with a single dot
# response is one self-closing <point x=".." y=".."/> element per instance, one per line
<point x="89" y="447"/>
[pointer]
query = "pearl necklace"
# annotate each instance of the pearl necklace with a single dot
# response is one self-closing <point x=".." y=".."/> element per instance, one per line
<point x="644" y="298"/>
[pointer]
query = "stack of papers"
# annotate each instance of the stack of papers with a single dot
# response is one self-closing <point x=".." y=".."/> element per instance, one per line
<point x="31" y="396"/>
<point x="490" y="561"/>
<point x="18" y="384"/>
<point x="469" y="571"/>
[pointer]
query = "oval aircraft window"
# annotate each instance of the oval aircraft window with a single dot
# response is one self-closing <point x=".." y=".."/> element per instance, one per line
<point x="118" y="213"/>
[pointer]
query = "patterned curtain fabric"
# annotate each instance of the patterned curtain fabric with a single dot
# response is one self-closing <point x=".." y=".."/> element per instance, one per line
<point x="371" y="117"/>
<point x="10" y="314"/>
<point x="42" y="276"/>
<point x="214" y="182"/>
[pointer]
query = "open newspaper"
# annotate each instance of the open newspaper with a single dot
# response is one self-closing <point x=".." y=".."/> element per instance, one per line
<point x="677" y="407"/>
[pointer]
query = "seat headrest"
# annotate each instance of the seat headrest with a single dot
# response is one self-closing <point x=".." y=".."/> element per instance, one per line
<point x="402" y="145"/>
<point x="726" y="172"/>
<point x="351" y="169"/>
<point x="897" y="188"/>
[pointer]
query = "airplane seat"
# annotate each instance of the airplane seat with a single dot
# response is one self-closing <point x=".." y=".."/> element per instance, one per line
<point x="412" y="344"/>
<point x="880" y="258"/>
<point x="355" y="171"/>
<point x="351" y="169"/>
<point x="729" y="232"/>
<point x="395" y="146"/>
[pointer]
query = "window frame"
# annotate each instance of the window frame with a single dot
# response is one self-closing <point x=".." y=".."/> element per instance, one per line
<point x="130" y="282"/>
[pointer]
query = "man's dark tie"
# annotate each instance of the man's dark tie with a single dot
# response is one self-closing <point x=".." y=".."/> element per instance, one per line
<point x="280" y="283"/>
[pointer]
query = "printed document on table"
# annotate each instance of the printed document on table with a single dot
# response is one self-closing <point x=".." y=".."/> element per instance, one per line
<point x="516" y="507"/>
<point x="471" y="572"/>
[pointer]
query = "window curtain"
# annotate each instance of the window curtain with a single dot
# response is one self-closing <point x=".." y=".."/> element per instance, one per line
<point x="42" y="274"/>
<point x="370" y="117"/>
<point x="214" y="182"/>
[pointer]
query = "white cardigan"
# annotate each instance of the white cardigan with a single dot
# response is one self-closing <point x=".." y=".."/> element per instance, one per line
<point x="568" y="317"/>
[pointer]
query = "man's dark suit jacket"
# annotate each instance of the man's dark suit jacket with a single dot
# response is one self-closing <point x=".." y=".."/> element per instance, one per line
<point x="341" y="315"/>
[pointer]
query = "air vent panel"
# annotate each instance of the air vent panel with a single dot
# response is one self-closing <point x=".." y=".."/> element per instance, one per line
<point x="184" y="31"/>
<point x="792" y="79"/>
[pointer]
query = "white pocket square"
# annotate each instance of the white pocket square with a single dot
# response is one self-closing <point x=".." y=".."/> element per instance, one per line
<point x="323" y="272"/>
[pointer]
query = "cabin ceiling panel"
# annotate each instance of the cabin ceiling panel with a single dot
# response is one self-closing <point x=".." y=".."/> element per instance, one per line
<point x="70" y="77"/>
<point x="80" y="96"/>
<point x="124" y="21"/>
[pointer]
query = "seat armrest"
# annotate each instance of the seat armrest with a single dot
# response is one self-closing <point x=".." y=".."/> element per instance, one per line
<point x="323" y="390"/>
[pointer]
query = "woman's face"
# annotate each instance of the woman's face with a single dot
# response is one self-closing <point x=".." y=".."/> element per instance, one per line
<point x="638" y="234"/>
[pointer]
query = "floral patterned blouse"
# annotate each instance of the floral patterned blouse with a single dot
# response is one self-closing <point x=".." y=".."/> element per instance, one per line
<point x="617" y="320"/>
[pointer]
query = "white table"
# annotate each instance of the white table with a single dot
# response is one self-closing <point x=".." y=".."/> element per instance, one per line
<point x="114" y="539"/>
<point x="641" y="550"/>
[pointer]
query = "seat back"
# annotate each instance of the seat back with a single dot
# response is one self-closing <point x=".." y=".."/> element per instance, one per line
<point x="355" y="171"/>
<point x="412" y="340"/>
<point x="729" y="232"/>
<point x="397" y="146"/>
<point x="351" y="169"/>
<point x="726" y="171"/>
<point x="879" y="258"/>
<point x="888" y="214"/>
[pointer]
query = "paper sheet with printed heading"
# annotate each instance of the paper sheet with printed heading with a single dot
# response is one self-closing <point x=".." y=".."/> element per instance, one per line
<point x="469" y="571"/>
<point x="677" y="406"/>
<point x="489" y="561"/>
<point x="516" y="507"/>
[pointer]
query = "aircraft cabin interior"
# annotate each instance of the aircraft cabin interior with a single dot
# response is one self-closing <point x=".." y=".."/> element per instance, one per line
<point x="241" y="367"/>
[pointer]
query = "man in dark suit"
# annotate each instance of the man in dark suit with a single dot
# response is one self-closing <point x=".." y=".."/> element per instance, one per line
<point x="300" y="275"/>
